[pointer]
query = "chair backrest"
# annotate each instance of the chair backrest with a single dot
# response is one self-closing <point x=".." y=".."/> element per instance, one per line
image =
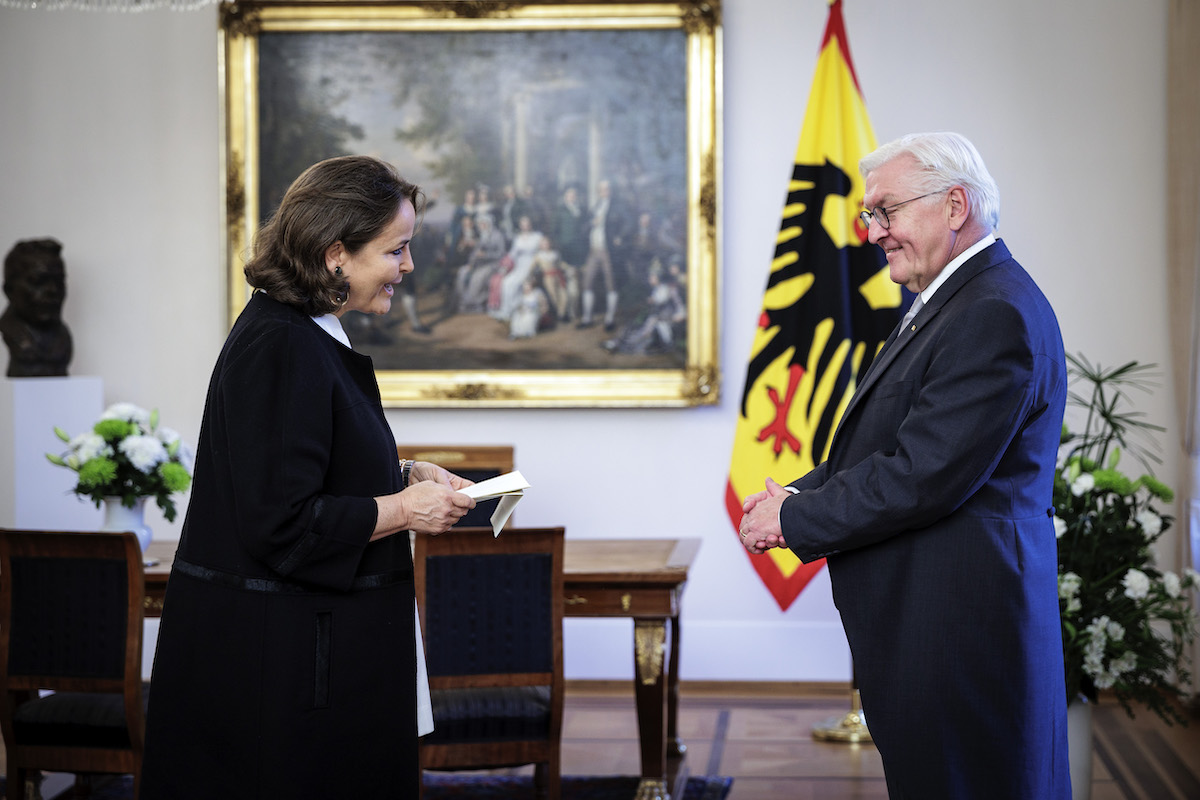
<point x="71" y="612"/>
<point x="491" y="607"/>
<point x="491" y="611"/>
<point x="473" y="462"/>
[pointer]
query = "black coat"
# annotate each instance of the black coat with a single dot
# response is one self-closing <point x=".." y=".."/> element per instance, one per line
<point x="286" y="656"/>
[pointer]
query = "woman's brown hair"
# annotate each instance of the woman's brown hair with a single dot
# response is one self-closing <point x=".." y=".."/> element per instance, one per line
<point x="349" y="199"/>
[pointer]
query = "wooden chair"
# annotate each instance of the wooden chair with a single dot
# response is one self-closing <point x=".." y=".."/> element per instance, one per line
<point x="473" y="462"/>
<point x="71" y="621"/>
<point x="491" y="612"/>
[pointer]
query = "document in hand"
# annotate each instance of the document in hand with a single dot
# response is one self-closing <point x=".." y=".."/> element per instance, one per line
<point x="509" y="487"/>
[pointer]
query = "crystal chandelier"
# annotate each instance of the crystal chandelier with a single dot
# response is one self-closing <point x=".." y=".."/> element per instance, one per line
<point x="109" y="5"/>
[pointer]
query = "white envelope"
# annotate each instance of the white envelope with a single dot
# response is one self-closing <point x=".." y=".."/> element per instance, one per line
<point x="509" y="487"/>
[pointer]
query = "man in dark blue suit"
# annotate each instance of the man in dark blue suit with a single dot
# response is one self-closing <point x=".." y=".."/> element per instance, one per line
<point x="933" y="507"/>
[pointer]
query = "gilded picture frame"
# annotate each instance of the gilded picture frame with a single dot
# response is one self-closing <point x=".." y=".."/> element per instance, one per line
<point x="529" y="105"/>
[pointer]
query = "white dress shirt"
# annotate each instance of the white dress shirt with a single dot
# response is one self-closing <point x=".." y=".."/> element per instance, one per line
<point x="950" y="268"/>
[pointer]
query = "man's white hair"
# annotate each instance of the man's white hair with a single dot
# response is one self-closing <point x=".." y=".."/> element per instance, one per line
<point x="944" y="159"/>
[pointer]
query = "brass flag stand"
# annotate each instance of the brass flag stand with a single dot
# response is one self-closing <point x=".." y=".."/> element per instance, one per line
<point x="851" y="727"/>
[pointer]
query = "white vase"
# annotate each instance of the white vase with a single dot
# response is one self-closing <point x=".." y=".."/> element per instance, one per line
<point x="1079" y="747"/>
<point x="118" y="517"/>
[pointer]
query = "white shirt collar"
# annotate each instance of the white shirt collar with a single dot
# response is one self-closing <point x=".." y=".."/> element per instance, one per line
<point x="333" y="326"/>
<point x="961" y="259"/>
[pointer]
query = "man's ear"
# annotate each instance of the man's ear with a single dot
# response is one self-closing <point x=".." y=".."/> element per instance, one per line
<point x="960" y="207"/>
<point x="335" y="255"/>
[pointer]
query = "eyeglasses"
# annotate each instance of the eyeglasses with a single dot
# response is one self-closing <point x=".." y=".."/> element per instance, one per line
<point x="880" y="214"/>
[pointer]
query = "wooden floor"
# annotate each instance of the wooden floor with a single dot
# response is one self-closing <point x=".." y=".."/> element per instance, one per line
<point x="762" y="737"/>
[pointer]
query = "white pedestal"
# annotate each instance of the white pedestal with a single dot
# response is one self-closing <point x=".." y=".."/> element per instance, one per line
<point x="34" y="493"/>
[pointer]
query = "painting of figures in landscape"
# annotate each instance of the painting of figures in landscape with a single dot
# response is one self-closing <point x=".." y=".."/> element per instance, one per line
<point x="556" y="167"/>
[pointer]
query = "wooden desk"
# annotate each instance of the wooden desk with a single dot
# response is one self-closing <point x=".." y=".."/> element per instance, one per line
<point x="642" y="579"/>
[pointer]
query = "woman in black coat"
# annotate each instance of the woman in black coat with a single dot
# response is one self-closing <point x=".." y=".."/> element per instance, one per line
<point x="287" y="653"/>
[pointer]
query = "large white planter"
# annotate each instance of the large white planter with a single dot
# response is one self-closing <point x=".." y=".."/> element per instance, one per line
<point x="1079" y="747"/>
<point x="120" y="518"/>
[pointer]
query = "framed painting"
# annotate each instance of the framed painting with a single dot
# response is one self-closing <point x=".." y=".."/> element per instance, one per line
<point x="569" y="153"/>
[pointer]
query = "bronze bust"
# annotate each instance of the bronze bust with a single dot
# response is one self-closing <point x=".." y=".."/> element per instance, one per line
<point x="35" y="281"/>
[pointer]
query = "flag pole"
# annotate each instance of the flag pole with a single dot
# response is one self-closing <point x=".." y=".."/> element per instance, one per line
<point x="828" y="308"/>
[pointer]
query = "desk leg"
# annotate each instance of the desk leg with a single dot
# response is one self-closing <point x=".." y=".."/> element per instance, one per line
<point x="675" y="745"/>
<point x="650" y="642"/>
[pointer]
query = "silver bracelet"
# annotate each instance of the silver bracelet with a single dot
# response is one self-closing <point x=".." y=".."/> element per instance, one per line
<point x="406" y="466"/>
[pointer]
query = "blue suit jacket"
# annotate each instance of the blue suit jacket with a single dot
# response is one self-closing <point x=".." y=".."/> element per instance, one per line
<point x="934" y="511"/>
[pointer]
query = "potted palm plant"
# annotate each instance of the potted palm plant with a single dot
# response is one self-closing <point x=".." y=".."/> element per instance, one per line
<point x="1127" y="625"/>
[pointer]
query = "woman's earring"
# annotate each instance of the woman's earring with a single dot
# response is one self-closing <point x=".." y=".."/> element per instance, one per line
<point x="337" y="270"/>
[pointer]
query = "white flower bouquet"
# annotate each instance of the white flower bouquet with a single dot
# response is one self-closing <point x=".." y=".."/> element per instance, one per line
<point x="1126" y="624"/>
<point x="128" y="455"/>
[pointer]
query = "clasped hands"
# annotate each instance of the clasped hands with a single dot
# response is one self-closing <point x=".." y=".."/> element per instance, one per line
<point x="760" y="529"/>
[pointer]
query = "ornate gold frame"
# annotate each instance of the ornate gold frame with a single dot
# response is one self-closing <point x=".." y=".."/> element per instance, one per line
<point x="695" y="384"/>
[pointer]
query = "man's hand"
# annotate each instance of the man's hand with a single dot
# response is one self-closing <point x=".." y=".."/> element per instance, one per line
<point x="759" y="529"/>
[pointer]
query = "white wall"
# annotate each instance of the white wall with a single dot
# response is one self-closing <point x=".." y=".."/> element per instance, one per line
<point x="108" y="142"/>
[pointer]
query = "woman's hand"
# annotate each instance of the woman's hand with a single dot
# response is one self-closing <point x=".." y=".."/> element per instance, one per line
<point x="424" y="471"/>
<point x="427" y="507"/>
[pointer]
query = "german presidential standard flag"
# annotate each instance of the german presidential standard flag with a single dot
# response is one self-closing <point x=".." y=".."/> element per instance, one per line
<point x="827" y="309"/>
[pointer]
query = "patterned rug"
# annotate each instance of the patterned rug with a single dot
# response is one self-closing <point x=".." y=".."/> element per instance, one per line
<point x="496" y="787"/>
<point x="480" y="787"/>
